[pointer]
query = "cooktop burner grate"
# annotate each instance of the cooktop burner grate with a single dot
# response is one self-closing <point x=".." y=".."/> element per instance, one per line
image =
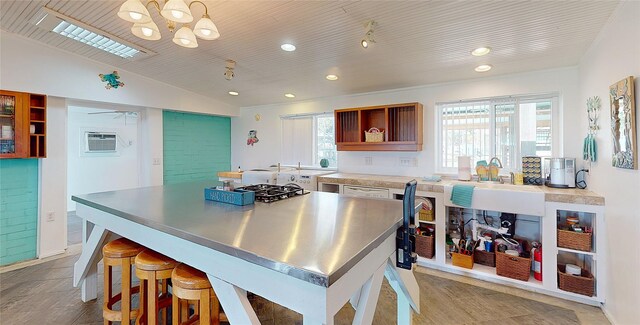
<point x="270" y="193"/>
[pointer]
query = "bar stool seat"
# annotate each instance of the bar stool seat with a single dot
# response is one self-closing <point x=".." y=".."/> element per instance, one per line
<point x="154" y="271"/>
<point x="120" y="252"/>
<point x="189" y="284"/>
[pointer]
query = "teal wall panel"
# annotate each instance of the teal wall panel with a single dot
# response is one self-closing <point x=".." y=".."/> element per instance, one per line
<point x="196" y="146"/>
<point x="18" y="209"/>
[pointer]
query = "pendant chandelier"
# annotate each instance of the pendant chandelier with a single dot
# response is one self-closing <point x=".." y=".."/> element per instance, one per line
<point x="174" y="12"/>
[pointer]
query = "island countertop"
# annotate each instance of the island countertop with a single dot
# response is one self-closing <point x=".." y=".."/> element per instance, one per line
<point x="315" y="237"/>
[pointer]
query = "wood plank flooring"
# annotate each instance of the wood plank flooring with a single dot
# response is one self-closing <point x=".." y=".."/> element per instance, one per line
<point x="43" y="294"/>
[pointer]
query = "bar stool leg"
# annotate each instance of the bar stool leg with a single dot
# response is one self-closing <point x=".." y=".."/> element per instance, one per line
<point x="184" y="309"/>
<point x="126" y="291"/>
<point x="164" y="290"/>
<point x="152" y="302"/>
<point x="175" y="311"/>
<point x="205" y="306"/>
<point x="215" y="308"/>
<point x="108" y="290"/>
<point x="143" y="301"/>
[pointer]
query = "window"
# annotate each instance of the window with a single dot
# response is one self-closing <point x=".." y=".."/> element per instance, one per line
<point x="507" y="128"/>
<point x="306" y="139"/>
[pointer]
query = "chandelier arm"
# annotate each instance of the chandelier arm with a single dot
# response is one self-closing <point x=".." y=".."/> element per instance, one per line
<point x="206" y="10"/>
<point x="155" y="3"/>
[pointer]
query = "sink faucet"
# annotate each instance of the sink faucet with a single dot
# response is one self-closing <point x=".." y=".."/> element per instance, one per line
<point x="491" y="169"/>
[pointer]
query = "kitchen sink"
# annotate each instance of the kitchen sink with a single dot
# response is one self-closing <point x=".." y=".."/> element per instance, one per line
<point x="493" y="196"/>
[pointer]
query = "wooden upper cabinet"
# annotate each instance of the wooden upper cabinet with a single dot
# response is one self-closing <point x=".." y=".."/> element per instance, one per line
<point x="23" y="125"/>
<point x="401" y="123"/>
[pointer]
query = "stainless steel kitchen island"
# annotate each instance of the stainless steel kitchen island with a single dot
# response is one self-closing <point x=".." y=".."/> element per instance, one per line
<point x="311" y="253"/>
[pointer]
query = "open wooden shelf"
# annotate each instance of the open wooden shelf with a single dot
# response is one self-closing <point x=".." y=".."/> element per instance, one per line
<point x="26" y="110"/>
<point x="401" y="123"/>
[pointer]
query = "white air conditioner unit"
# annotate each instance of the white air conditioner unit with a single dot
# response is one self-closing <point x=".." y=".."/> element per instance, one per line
<point x="100" y="142"/>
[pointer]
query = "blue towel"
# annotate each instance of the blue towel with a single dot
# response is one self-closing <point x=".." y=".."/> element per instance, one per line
<point x="462" y="195"/>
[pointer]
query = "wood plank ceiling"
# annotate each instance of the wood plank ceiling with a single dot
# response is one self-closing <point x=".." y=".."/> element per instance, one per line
<point x="417" y="43"/>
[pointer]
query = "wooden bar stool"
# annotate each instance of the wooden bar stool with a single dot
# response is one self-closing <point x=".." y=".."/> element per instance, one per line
<point x="120" y="252"/>
<point x="189" y="284"/>
<point x="154" y="270"/>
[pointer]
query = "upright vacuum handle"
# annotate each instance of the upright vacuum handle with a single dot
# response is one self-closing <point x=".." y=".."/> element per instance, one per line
<point x="406" y="234"/>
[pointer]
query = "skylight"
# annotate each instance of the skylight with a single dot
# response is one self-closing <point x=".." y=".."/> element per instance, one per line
<point x="98" y="41"/>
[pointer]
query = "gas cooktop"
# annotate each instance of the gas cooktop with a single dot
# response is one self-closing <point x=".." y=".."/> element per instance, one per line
<point x="270" y="193"/>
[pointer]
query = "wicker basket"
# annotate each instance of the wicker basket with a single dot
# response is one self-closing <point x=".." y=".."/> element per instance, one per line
<point x="484" y="258"/>
<point x="518" y="268"/>
<point x="425" y="246"/>
<point x="426" y="211"/>
<point x="462" y="260"/>
<point x="374" y="135"/>
<point x="574" y="240"/>
<point x="577" y="284"/>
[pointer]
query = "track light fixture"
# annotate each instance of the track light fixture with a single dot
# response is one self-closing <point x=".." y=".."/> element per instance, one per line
<point x="228" y="73"/>
<point x="368" y="36"/>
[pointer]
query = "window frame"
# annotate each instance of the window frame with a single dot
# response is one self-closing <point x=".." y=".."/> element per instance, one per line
<point x="314" y="137"/>
<point x="555" y="131"/>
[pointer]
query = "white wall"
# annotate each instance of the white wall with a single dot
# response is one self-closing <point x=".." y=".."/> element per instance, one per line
<point x="98" y="172"/>
<point x="151" y="147"/>
<point x="53" y="181"/>
<point x="267" y="151"/>
<point x="33" y="67"/>
<point x="614" y="56"/>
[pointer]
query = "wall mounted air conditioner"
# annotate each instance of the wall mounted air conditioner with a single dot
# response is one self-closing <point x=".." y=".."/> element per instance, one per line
<point x="100" y="142"/>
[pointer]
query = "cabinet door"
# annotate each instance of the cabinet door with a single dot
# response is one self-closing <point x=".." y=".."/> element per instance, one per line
<point x="13" y="125"/>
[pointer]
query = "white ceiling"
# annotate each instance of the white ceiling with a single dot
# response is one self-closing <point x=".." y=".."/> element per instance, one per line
<point x="417" y="43"/>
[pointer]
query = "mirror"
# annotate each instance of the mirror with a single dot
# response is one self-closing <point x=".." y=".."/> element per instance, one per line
<point x="623" y="124"/>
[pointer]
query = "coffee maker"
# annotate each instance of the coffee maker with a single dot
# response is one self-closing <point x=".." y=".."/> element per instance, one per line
<point x="560" y="172"/>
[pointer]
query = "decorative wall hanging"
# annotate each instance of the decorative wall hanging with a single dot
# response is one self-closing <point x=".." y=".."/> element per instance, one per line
<point x="623" y="124"/>
<point x="253" y="138"/>
<point x="111" y="80"/>
<point x="589" y="147"/>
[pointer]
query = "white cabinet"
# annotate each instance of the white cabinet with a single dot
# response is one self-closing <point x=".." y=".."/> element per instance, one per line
<point x="591" y="259"/>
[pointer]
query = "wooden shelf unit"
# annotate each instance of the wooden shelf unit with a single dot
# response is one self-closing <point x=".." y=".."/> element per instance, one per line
<point x="25" y="110"/>
<point x="401" y="123"/>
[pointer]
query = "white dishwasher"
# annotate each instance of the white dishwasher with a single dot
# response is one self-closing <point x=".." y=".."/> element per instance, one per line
<point x="381" y="193"/>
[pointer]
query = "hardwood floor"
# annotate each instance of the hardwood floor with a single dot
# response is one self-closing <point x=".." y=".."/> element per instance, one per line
<point x="43" y="294"/>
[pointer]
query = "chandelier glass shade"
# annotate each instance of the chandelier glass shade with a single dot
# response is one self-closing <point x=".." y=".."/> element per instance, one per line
<point x="173" y="11"/>
<point x="148" y="31"/>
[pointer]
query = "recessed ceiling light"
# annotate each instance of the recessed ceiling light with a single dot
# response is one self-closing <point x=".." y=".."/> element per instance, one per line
<point x="289" y="95"/>
<point x="331" y="77"/>
<point x="234" y="93"/>
<point x="288" y="47"/>
<point x="483" y="68"/>
<point x="481" y="51"/>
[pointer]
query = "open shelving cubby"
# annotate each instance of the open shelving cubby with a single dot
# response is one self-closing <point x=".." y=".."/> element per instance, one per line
<point x="400" y="123"/>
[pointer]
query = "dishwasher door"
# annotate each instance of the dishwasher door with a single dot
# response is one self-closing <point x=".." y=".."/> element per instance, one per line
<point x="372" y="192"/>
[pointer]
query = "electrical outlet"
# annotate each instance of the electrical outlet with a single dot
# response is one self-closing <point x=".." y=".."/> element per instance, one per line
<point x="51" y="216"/>
<point x="408" y="162"/>
<point x="156" y="161"/>
<point x="368" y="161"/>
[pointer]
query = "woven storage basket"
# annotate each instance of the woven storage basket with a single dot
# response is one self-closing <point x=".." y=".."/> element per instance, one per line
<point x="425" y="246"/>
<point x="577" y="284"/>
<point x="484" y="258"/>
<point x="574" y="240"/>
<point x="374" y="135"/>
<point x="518" y="268"/>
<point x="462" y="260"/>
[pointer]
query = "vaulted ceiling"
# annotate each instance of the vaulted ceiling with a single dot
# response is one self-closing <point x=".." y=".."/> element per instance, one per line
<point x="417" y="43"/>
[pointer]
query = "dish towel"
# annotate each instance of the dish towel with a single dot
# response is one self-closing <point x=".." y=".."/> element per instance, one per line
<point x="462" y="195"/>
